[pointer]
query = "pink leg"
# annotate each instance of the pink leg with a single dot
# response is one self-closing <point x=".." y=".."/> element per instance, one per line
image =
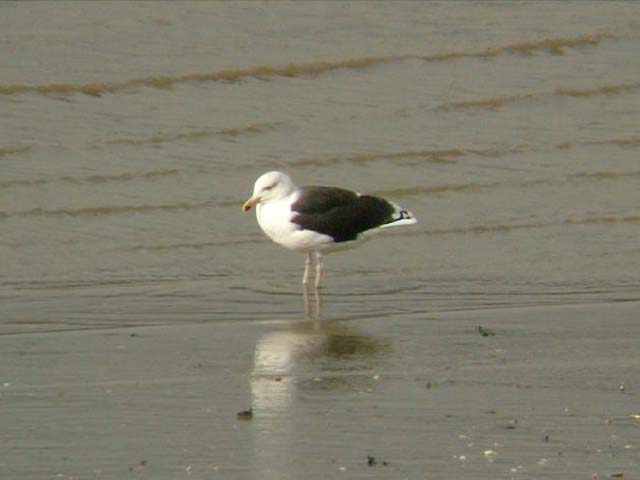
<point x="307" y="268"/>
<point x="318" y="269"/>
<point x="308" y="312"/>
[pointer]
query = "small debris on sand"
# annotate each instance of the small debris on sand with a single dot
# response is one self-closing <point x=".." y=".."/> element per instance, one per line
<point x="485" y="332"/>
<point x="245" y="414"/>
<point x="141" y="464"/>
<point x="512" y="424"/>
<point x="373" y="461"/>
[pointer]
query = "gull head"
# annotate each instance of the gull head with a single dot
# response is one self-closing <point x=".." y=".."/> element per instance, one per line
<point x="269" y="187"/>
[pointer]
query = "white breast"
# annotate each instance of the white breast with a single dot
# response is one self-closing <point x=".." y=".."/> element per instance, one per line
<point x="275" y="220"/>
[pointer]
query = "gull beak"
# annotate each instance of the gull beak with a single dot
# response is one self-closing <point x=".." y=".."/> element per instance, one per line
<point x="246" y="206"/>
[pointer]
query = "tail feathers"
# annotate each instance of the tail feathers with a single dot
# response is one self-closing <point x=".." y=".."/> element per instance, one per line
<point x="400" y="217"/>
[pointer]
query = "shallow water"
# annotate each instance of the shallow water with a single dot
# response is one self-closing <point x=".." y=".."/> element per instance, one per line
<point x="132" y="132"/>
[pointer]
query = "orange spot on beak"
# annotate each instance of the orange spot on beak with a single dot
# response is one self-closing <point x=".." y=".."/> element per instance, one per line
<point x="246" y="206"/>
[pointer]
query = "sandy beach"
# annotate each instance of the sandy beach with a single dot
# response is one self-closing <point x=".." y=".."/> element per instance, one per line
<point x="149" y="329"/>
<point x="539" y="392"/>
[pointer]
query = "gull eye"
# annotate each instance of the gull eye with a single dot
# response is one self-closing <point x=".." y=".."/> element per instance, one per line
<point x="269" y="187"/>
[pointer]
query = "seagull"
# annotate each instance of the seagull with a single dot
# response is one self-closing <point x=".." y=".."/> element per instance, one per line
<point x="316" y="220"/>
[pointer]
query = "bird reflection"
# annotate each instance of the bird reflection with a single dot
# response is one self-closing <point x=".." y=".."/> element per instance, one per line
<point x="309" y="311"/>
<point x="306" y="359"/>
<point x="312" y="349"/>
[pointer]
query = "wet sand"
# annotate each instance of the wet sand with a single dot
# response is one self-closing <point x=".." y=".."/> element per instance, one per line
<point x="538" y="392"/>
<point x="140" y="310"/>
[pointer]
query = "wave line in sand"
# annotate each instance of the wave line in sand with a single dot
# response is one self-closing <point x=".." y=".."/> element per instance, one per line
<point x="506" y="228"/>
<point x="5" y="152"/>
<point x="630" y="142"/>
<point x="604" y="220"/>
<point x="500" y="101"/>
<point x="450" y="155"/>
<point x="232" y="132"/>
<point x="103" y="210"/>
<point x="91" y="179"/>
<point x="445" y="155"/>
<point x="455" y="187"/>
<point x="193" y="245"/>
<point x="553" y="45"/>
<point x="606" y="175"/>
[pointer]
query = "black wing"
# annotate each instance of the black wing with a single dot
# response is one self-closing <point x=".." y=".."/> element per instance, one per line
<point x="339" y="213"/>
